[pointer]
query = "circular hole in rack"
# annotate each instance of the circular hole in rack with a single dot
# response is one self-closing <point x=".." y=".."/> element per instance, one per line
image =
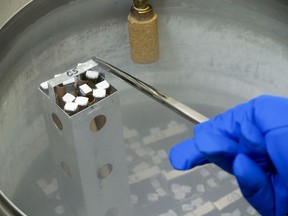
<point x="57" y="121"/>
<point x="104" y="171"/>
<point x="98" y="123"/>
<point x="66" y="169"/>
<point x="112" y="212"/>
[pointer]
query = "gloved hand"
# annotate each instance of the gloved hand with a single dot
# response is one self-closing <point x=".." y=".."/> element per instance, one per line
<point x="249" y="141"/>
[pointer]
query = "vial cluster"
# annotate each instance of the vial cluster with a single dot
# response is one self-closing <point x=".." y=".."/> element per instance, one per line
<point x="79" y="92"/>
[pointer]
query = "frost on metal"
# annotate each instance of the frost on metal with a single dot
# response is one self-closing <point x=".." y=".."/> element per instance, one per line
<point x="90" y="163"/>
<point x="82" y="82"/>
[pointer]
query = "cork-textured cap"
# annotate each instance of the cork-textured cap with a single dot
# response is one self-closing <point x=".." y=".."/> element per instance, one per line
<point x="144" y="44"/>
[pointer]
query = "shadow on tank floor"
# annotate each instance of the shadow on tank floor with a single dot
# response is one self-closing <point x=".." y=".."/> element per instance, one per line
<point x="214" y="55"/>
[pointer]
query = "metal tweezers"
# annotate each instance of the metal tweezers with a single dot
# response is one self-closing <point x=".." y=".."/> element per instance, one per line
<point x="176" y="106"/>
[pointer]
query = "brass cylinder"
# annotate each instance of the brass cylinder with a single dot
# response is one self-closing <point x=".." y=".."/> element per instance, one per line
<point x="143" y="34"/>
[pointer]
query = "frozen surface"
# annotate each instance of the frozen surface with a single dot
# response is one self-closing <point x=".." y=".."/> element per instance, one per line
<point x="71" y="106"/>
<point x="103" y="85"/>
<point x="81" y="101"/>
<point x="68" y="97"/>
<point x="99" y="93"/>
<point x="214" y="55"/>
<point x="92" y="74"/>
<point x="85" y="89"/>
<point x="156" y="189"/>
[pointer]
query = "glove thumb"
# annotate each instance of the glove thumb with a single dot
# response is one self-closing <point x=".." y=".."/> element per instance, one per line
<point x="254" y="184"/>
<point x="186" y="156"/>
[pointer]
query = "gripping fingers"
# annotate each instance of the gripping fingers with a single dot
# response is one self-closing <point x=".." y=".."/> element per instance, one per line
<point x="254" y="184"/>
<point x="185" y="155"/>
<point x="218" y="149"/>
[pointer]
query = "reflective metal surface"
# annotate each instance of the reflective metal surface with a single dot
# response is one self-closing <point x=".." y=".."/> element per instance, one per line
<point x="8" y="208"/>
<point x="88" y="148"/>
<point x="214" y="55"/>
<point x="178" y="107"/>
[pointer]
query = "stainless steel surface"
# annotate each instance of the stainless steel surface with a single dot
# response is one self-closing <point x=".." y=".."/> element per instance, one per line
<point x="178" y="107"/>
<point x="10" y="8"/>
<point x="8" y="208"/>
<point x="215" y="54"/>
<point x="83" y="151"/>
<point x="68" y="74"/>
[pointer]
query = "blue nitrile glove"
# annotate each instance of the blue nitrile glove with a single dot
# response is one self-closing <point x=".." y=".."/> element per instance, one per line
<point x="249" y="141"/>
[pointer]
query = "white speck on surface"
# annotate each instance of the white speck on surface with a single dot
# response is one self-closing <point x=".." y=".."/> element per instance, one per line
<point x="236" y="212"/>
<point x="135" y="145"/>
<point x="187" y="207"/>
<point x="81" y="101"/>
<point x="56" y="75"/>
<point x="92" y="74"/>
<point x="211" y="182"/>
<point x="251" y="210"/>
<point x="85" y="89"/>
<point x="204" y="209"/>
<point x="129" y="133"/>
<point x="228" y="199"/>
<point x="41" y="183"/>
<point x="129" y="158"/>
<point x="234" y="182"/>
<point x="222" y="175"/>
<point x="162" y="154"/>
<point x="137" y="177"/>
<point x="161" y="192"/>
<point x="150" y="151"/>
<point x="99" y="93"/>
<point x="58" y="196"/>
<point x="155" y="135"/>
<point x="200" y="188"/>
<point x="171" y="213"/>
<point x="69" y="81"/>
<point x="156" y="159"/>
<point x="155" y="183"/>
<point x="180" y="196"/>
<point x="71" y="107"/>
<point x="175" y="188"/>
<point x="44" y="85"/>
<point x="140" y="167"/>
<point x="197" y="202"/>
<point x="153" y="197"/>
<point x="60" y="210"/>
<point x="204" y="172"/>
<point x="51" y="188"/>
<point x="140" y="152"/>
<point x="186" y="189"/>
<point x="179" y="191"/>
<point x="102" y="85"/>
<point x="134" y="199"/>
<point x="68" y="98"/>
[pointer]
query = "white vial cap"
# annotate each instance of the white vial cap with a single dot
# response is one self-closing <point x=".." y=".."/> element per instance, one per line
<point x="82" y="101"/>
<point x="92" y="74"/>
<point x="71" y="107"/>
<point x="102" y="85"/>
<point x="69" y="81"/>
<point x="85" y="89"/>
<point x="99" y="93"/>
<point x="68" y="97"/>
<point x="44" y="85"/>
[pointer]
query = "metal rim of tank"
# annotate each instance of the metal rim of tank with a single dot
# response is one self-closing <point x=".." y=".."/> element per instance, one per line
<point x="22" y="19"/>
<point x="13" y="27"/>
